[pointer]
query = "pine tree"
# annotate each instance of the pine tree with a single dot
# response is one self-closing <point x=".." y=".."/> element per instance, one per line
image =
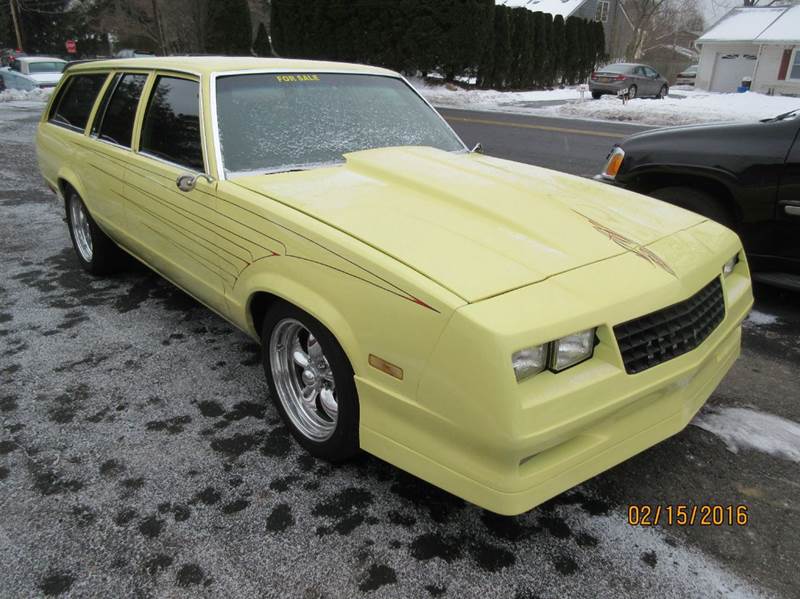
<point x="573" y="51"/>
<point x="502" y="47"/>
<point x="230" y="29"/>
<point x="261" y="46"/>
<point x="558" y="43"/>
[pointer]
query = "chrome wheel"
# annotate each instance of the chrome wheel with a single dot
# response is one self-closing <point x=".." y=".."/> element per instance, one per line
<point x="303" y="379"/>
<point x="81" y="231"/>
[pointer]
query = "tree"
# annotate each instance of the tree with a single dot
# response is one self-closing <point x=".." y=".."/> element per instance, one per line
<point x="261" y="46"/>
<point x="642" y="15"/>
<point x="558" y="51"/>
<point x="230" y="30"/>
<point x="502" y="47"/>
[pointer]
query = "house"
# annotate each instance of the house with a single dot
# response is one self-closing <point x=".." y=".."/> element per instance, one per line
<point x="762" y="43"/>
<point x="611" y="13"/>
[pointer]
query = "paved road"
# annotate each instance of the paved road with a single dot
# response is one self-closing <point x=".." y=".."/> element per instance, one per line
<point x="139" y="457"/>
<point x="569" y="145"/>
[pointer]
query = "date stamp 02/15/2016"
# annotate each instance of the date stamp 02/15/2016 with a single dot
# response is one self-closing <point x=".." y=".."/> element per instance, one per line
<point x="688" y="515"/>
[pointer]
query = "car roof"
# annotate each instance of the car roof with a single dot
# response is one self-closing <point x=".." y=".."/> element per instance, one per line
<point x="206" y="65"/>
<point x="39" y="59"/>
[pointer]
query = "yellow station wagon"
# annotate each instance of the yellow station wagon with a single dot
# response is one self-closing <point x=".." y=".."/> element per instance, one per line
<point x="500" y="330"/>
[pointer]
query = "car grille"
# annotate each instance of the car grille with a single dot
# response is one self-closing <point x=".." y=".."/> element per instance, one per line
<point x="660" y="336"/>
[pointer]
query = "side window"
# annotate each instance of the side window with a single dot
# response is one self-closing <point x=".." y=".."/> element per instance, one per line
<point x="75" y="102"/>
<point x="171" y="128"/>
<point x="117" y="123"/>
<point x="101" y="110"/>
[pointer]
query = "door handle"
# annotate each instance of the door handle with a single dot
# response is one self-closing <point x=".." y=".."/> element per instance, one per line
<point x="792" y="210"/>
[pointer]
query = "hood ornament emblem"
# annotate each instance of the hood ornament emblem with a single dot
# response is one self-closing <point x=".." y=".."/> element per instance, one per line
<point x="630" y="245"/>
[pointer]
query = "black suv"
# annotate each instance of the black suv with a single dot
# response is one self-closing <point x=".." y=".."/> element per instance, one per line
<point x="746" y="177"/>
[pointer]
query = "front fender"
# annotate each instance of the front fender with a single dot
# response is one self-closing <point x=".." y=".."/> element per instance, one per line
<point x="364" y="317"/>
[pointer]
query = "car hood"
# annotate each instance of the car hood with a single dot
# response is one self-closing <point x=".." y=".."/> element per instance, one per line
<point x="478" y="226"/>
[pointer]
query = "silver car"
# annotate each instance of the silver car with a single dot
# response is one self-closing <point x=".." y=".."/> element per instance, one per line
<point x="640" y="80"/>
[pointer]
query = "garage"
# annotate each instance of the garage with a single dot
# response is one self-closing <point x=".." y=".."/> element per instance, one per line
<point x="730" y="69"/>
<point x="759" y="42"/>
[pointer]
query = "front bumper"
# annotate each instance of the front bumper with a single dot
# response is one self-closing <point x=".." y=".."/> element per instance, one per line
<point x="508" y="447"/>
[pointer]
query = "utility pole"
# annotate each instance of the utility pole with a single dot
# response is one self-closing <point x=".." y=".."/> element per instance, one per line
<point x="14" y="18"/>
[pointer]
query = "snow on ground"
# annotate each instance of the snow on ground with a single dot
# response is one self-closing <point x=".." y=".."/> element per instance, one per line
<point x="695" y="107"/>
<point x="687" y="107"/>
<point x="488" y="99"/>
<point x="18" y="95"/>
<point x="743" y="428"/>
<point x="761" y="319"/>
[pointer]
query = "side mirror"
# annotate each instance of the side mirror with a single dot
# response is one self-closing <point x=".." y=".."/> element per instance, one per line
<point x="478" y="149"/>
<point x="187" y="183"/>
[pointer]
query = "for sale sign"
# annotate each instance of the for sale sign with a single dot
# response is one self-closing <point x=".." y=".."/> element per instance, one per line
<point x="72" y="47"/>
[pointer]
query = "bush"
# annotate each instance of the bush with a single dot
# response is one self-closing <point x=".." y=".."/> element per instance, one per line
<point x="503" y="47"/>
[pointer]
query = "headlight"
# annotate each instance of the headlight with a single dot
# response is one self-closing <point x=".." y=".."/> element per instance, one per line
<point x="730" y="265"/>
<point x="530" y="361"/>
<point x="572" y="349"/>
<point x="557" y="355"/>
<point x="614" y="162"/>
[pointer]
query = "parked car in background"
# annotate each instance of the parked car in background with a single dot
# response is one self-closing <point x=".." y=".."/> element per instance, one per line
<point x="687" y="76"/>
<point x="131" y="53"/>
<point x="640" y="80"/>
<point x="45" y="70"/>
<point x="10" y="79"/>
<point x="502" y="331"/>
<point x="746" y="177"/>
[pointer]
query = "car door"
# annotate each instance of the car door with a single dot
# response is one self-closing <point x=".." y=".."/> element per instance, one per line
<point x="654" y="80"/>
<point x="787" y="242"/>
<point x="175" y="228"/>
<point x="639" y="80"/>
<point x="109" y="149"/>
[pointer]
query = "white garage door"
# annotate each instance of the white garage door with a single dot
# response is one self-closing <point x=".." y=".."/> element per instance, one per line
<point x="730" y="69"/>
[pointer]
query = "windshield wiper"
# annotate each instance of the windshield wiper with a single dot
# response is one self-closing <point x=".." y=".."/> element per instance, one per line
<point x="781" y="117"/>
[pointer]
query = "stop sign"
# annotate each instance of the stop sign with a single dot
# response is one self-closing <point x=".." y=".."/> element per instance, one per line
<point x="72" y="47"/>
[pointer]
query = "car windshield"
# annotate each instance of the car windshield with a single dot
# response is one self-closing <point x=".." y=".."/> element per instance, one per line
<point x="617" y="68"/>
<point x="293" y="121"/>
<point x="46" y="67"/>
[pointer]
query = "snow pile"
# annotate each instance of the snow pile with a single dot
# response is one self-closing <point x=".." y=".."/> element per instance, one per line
<point x="692" y="109"/>
<point x="760" y="319"/>
<point x="742" y="428"/>
<point x="19" y="95"/>
<point x="488" y="99"/>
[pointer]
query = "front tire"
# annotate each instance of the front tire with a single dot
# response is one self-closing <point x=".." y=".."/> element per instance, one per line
<point x="97" y="254"/>
<point x="311" y="382"/>
<point x="663" y="92"/>
<point x="697" y="201"/>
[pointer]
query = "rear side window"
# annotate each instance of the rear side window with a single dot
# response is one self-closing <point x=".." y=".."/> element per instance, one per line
<point x="75" y="101"/>
<point x="117" y="123"/>
<point x="101" y="110"/>
<point x="171" y="128"/>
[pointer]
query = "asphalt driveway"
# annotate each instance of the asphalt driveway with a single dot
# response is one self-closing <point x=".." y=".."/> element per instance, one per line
<point x="140" y="457"/>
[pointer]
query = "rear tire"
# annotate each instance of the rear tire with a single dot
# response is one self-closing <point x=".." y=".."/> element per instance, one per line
<point x="97" y="254"/>
<point x="633" y="91"/>
<point x="597" y="95"/>
<point x="697" y="201"/>
<point x="303" y="360"/>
